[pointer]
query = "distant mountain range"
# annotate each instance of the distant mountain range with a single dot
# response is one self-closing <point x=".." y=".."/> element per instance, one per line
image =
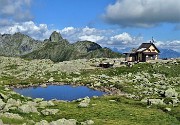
<point x="58" y="49"/>
<point x="55" y="48"/>
<point x="164" y="53"/>
<point x="169" y="53"/>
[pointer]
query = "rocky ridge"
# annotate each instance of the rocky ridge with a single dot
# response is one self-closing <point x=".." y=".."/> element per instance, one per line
<point x="55" y="48"/>
<point x="17" y="44"/>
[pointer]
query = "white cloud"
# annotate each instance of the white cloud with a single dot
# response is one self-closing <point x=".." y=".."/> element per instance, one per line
<point x="89" y="31"/>
<point x="93" y="38"/>
<point x="143" y="13"/>
<point x="174" y="45"/>
<point x="15" y="11"/>
<point x="40" y="31"/>
<point x="124" y="39"/>
<point x="86" y="33"/>
<point x="105" y="38"/>
<point x="68" y="30"/>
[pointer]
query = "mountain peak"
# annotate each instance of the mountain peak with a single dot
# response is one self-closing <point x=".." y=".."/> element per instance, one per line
<point x="55" y="37"/>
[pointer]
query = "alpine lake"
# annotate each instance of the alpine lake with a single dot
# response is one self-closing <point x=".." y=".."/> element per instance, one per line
<point x="59" y="92"/>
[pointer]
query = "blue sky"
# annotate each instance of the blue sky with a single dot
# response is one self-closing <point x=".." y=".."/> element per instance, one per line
<point x="65" y="13"/>
<point x="111" y="23"/>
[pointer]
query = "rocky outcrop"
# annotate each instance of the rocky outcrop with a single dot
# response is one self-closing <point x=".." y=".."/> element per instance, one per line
<point x="58" y="122"/>
<point x="51" y="79"/>
<point x="2" y="96"/>
<point x="2" y="104"/>
<point x="49" y="111"/>
<point x="171" y="93"/>
<point x="88" y="122"/>
<point x="55" y="37"/>
<point x="84" y="103"/>
<point x="11" y="104"/>
<point x="28" y="109"/>
<point x="86" y="46"/>
<point x="44" y="104"/>
<point x="11" y="115"/>
<point x="64" y="122"/>
<point x="155" y="101"/>
<point x="42" y="122"/>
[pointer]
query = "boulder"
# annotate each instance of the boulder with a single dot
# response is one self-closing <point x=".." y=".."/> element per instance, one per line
<point x="155" y="101"/>
<point x="43" y="86"/>
<point x="104" y="76"/>
<point x="32" y="103"/>
<point x="97" y="84"/>
<point x="1" y="122"/>
<point x="43" y="122"/>
<point x="2" y="96"/>
<point x="46" y="103"/>
<point x="7" y="107"/>
<point x="51" y="79"/>
<point x="38" y="99"/>
<point x="6" y="89"/>
<point x="2" y="104"/>
<point x="171" y="93"/>
<point x="49" y="111"/>
<point x="11" y="115"/>
<point x="64" y="122"/>
<point x="84" y="103"/>
<point x="88" y="122"/>
<point x="31" y="122"/>
<point x="112" y="100"/>
<point x="168" y="109"/>
<point x="28" y="108"/>
<point x="50" y="103"/>
<point x="13" y="102"/>
<point x="175" y="101"/>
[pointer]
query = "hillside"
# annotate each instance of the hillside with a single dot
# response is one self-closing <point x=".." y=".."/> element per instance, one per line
<point x="55" y="48"/>
<point x="58" y="49"/>
<point x="17" y="44"/>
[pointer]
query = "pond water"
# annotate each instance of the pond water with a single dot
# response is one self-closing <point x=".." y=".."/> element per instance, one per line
<point x="60" y="92"/>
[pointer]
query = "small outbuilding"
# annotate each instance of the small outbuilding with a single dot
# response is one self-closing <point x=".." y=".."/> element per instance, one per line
<point x="105" y="65"/>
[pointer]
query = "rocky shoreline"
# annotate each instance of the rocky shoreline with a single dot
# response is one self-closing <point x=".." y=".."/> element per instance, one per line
<point x="107" y="90"/>
<point x="28" y="105"/>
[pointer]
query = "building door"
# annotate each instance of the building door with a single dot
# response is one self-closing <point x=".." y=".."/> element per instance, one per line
<point x="143" y="57"/>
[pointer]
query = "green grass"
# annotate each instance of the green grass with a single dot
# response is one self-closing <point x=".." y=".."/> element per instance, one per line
<point x="104" y="112"/>
<point x="10" y="67"/>
<point x="124" y="111"/>
<point x="12" y="121"/>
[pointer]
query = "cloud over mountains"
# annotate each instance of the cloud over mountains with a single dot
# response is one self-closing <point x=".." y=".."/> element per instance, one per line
<point x="111" y="38"/>
<point x="16" y="16"/>
<point x="143" y="13"/>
